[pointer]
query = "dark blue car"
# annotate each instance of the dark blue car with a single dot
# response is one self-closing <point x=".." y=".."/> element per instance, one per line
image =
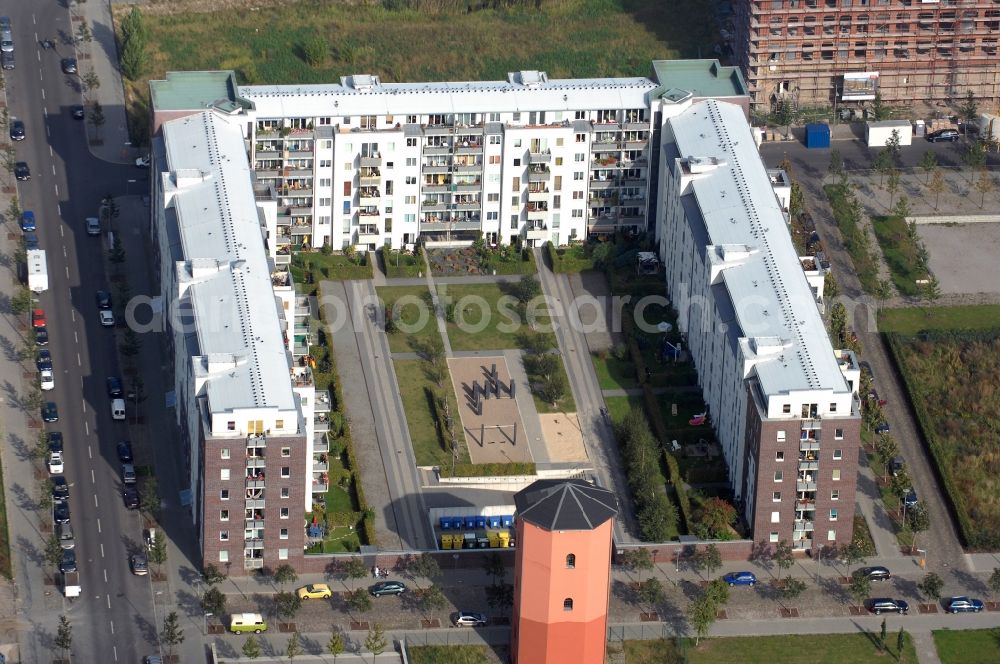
<point x="28" y="221"/>
<point x="740" y="579"/>
<point x="963" y="605"/>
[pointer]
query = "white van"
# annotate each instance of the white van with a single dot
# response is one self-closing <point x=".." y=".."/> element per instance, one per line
<point x="118" y="409"/>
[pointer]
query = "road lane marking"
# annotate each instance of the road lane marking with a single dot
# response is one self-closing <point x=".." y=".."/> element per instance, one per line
<point x="43" y="89"/>
<point x="106" y="578"/>
<point x="112" y="626"/>
<point x="57" y="191"/>
<point x="102" y="549"/>
<point x="108" y="596"/>
<point x="93" y="480"/>
<point x="85" y="406"/>
<point x="95" y="501"/>
<point x="38" y="54"/>
<point x="67" y="272"/>
<point x="114" y="651"/>
<point x="61" y="233"/>
<point x="76" y="340"/>
<point x="64" y="251"/>
<point x="50" y="151"/>
<point x="72" y="313"/>
<point x="98" y="526"/>
<point x="34" y="22"/>
<point x="53" y="165"/>
<point x="86" y="428"/>
<point x="79" y="362"/>
<point x="59" y="212"/>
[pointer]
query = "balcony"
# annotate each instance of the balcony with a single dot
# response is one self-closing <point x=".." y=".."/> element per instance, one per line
<point x="255" y="462"/>
<point x="469" y="225"/>
<point x="371" y="160"/>
<point x="809" y="445"/>
<point x="636" y="144"/>
<point x="255" y="483"/>
<point x="473" y="167"/>
<point x="432" y="205"/>
<point x="599" y="185"/>
<point x="805" y="486"/>
<point x="605" y="162"/>
<point x="370" y="176"/>
<point x="467" y="205"/>
<point x="302" y="229"/>
<point x="605" y="146"/>
<point x="805" y="505"/>
<point x="812" y="424"/>
<point x="635" y="126"/>
<point x="633" y="220"/>
<point x="808" y="465"/>
<point x="369" y="199"/>
<point x="322" y="403"/>
<point x="435" y="188"/>
<point x="321" y="443"/>
<point x="369" y="235"/>
<point x="320" y="467"/>
<point x="468" y="186"/>
<point x="267" y="154"/>
<point x="437" y="149"/>
<point x="539" y="173"/>
<point x="537" y="232"/>
<point x="320" y="487"/>
<point x="538" y="196"/>
<point x="435" y="168"/>
<point x="321" y="422"/>
<point x="537" y="212"/>
<point x="542" y="157"/>
<point x="253" y="563"/>
<point x="284" y="219"/>
<point x="302" y="377"/>
<point x="804" y="526"/>
<point x="468" y="148"/>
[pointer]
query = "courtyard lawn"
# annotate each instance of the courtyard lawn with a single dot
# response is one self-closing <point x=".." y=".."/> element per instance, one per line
<point x="783" y="649"/>
<point x="901" y="253"/>
<point x="968" y="646"/>
<point x="414" y="314"/>
<point x="415" y="390"/>
<point x="913" y="320"/>
<point x="487" y="326"/>
<point x="310" y="268"/>
<point x="451" y="655"/>
<point x="566" y="405"/>
<point x="614" y="374"/>
<point x="567" y="39"/>
<point x="619" y="407"/>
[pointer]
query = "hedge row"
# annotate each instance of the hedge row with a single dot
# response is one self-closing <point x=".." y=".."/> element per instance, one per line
<point x="410" y="265"/>
<point x="488" y="469"/>
<point x="566" y="260"/>
<point x="660" y="429"/>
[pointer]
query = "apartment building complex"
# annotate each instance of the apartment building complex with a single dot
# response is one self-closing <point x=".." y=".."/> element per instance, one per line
<point x="822" y="52"/>
<point x="781" y="399"/>
<point x="244" y="406"/>
<point x="365" y="164"/>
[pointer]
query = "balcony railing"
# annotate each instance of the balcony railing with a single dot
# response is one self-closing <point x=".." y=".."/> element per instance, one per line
<point x="320" y="487"/>
<point x="543" y="157"/>
<point x="321" y="443"/>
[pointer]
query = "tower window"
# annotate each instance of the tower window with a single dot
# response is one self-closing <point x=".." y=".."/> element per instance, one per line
<point x="568" y="604"/>
<point x="571" y="561"/>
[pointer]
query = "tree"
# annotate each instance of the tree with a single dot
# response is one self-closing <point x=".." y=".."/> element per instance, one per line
<point x="83" y="33"/>
<point x="995" y="580"/>
<point x="709" y="558"/>
<point x="64" y="636"/>
<point x="286" y="605"/>
<point x="21" y="302"/>
<point x="784" y="116"/>
<point x="45" y="494"/>
<point x="968" y="111"/>
<point x="359" y="600"/>
<point x="796" y="200"/>
<point x="134" y="58"/>
<point x="900" y="644"/>
<point x="882" y="164"/>
<point x="651" y="592"/>
<point x="883" y="291"/>
<point x="919" y="520"/>
<point x="892" y="146"/>
<point x="284" y="574"/>
<point x="929" y="163"/>
<point x="718" y="592"/>
<point x="91" y="82"/>
<point x="252" y="649"/>
<point x="212" y="575"/>
<point x="526" y="289"/>
<point x="171" y="635"/>
<point x="53" y="551"/>
<point x="335" y="645"/>
<point x="294" y="647"/>
<point x="783" y="556"/>
<point x="150" y="501"/>
<point x="117" y="253"/>
<point x="792" y="588"/>
<point x="553" y="389"/>
<point x="717" y="515"/>
<point x="931" y="586"/>
<point x="636" y="560"/>
<point x="861" y="586"/>
<point x="97" y="119"/>
<point x="315" y="49"/>
<point x="375" y="641"/>
<point x="158" y="551"/>
<point x="494" y="567"/>
<point x="702" y="613"/>
<point x="354" y="568"/>
<point x="886" y="450"/>
<point x="879" y="110"/>
<point x="431" y="599"/>
<point x="902" y="208"/>
<point x="932" y="289"/>
<point x="836" y="167"/>
<point x="892" y="186"/>
<point x="900" y="485"/>
<point x="974" y="156"/>
<point x="425" y="565"/>
<point x="984" y="185"/>
<point x="882" y="635"/>
<point x="213" y="601"/>
<point x="937" y="185"/>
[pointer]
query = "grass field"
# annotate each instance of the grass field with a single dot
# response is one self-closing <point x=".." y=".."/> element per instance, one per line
<point x="566" y="38"/>
<point x="5" y="563"/>
<point x="614" y="374"/>
<point x="901" y="253"/>
<point x="913" y="320"/>
<point x="487" y="326"/>
<point x="452" y="655"/>
<point x="413" y="388"/>
<point x="413" y="314"/>
<point x="789" y="649"/>
<point x="968" y="646"/>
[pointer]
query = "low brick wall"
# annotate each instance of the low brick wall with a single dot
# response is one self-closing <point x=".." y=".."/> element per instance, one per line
<point x="467" y="559"/>
<point x="666" y="552"/>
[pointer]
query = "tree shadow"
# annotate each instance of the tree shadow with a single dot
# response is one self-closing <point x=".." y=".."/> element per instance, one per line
<point x="625" y="592"/>
<point x="311" y="646"/>
<point x="188" y="602"/>
<point x="30" y="551"/>
<point x="228" y="650"/>
<point x="20" y="447"/>
<point x="146" y="628"/>
<point x="906" y="587"/>
<point x="691" y="590"/>
<point x="970" y="582"/>
<point x="23" y="499"/>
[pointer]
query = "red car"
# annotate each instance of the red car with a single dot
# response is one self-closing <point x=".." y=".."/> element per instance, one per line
<point x="874" y="397"/>
<point x="38" y="318"/>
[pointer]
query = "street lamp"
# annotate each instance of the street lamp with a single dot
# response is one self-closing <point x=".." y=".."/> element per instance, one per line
<point x="205" y="621"/>
<point x="127" y="183"/>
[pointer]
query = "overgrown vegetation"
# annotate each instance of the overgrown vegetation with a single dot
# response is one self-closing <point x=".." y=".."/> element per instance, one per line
<point x="849" y="215"/>
<point x="951" y="379"/>
<point x="309" y="268"/>
<point x="577" y="256"/>
<point x="402" y="264"/>
<point x="657" y="516"/>
<point x="913" y="320"/>
<point x="904" y="253"/>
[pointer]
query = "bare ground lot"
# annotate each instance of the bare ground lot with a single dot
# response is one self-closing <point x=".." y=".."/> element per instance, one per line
<point x="963" y="257"/>
<point x="489" y="445"/>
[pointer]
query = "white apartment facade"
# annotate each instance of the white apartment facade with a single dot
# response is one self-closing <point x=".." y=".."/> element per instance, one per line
<point x="782" y="401"/>
<point x="244" y="409"/>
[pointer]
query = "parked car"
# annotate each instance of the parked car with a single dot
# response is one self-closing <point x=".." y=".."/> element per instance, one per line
<point x="469" y="619"/>
<point x="41" y="336"/>
<point x="741" y="579"/>
<point x="46" y="380"/>
<point x="124" y="452"/>
<point x="911" y="498"/>
<point x="21" y="171"/>
<point x="897" y="465"/>
<point x="315" y="591"/>
<point x="142" y="162"/>
<point x="882" y="428"/>
<point x="130" y="496"/>
<point x="55" y="463"/>
<point x="128" y="473"/>
<point x="877" y="605"/>
<point x="7" y="60"/>
<point x="387" y="588"/>
<point x="43" y="359"/>
<point x="28" y="221"/>
<point x="30" y="241"/>
<point x="114" y="385"/>
<point x="138" y="564"/>
<point x="17" y="130"/>
<point x="875" y="398"/>
<point x="78" y="112"/>
<point x="103" y="299"/>
<point x="963" y="604"/>
<point x="50" y="412"/>
<point x="107" y="317"/>
<point x="875" y="573"/>
<point x="68" y="65"/>
<point x="38" y="318"/>
<point x="64" y="532"/>
<point x="60" y="488"/>
<point x="949" y="135"/>
<point x="60" y="512"/>
<point x="68" y="563"/>
<point x="93" y="226"/>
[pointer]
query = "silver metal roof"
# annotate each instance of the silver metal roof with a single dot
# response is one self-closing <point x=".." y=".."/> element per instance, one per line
<point x="225" y="264"/>
<point x="748" y="241"/>
<point x="523" y="91"/>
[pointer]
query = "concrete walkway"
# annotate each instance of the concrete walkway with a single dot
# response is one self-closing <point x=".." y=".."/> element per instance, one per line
<point x="869" y="503"/>
<point x="439" y="313"/>
<point x="923" y="643"/>
<point x="468" y="279"/>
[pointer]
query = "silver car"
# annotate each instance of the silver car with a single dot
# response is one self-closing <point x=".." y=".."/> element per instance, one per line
<point x="6" y="41"/>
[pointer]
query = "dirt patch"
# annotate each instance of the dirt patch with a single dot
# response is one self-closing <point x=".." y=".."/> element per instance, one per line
<point x="170" y="7"/>
<point x="563" y="438"/>
<point x="963" y="257"/>
<point x="495" y="432"/>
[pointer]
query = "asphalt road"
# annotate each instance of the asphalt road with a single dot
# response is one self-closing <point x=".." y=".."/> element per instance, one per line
<point x="111" y="620"/>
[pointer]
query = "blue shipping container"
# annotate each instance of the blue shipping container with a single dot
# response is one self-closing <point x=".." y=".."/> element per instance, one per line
<point x="817" y="135"/>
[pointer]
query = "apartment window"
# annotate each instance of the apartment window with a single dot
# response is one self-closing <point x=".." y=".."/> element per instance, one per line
<point x="578" y="176"/>
<point x="224" y="494"/>
<point x="779" y="455"/>
<point x="324" y="219"/>
<point x="833" y="515"/>
<point x="409" y="218"/>
<point x="517" y="117"/>
<point x="581" y="138"/>
<point x="348" y="165"/>
<point x="284" y="492"/>
<point x="223" y="535"/>
<point x="515" y="200"/>
<point x="831" y="535"/>
<point x="773" y="537"/>
<point x="284" y="513"/>
<point x="324" y="202"/>
<point x="836" y="474"/>
<point x="579" y="156"/>
<point x="779" y="475"/>
<point x="838" y="434"/>
<point x="325" y="121"/>
<point x="559" y="161"/>
<point x="231" y="426"/>
<point x="580" y="115"/>
<point x="577" y="214"/>
<point x="556" y="202"/>
<point x="513" y="221"/>
<point x="776" y="497"/>
<point x="557" y="183"/>
<point x="494" y="140"/>
<point x="495" y="159"/>
<point x="833" y="407"/>
<point x="410" y="200"/>
<point x="786" y="408"/>
<point x="282" y="554"/>
<point x="223" y="556"/>
<point x="411" y="142"/>
<point x="411" y="119"/>
<point x="224" y="474"/>
<point x="835" y="494"/>
<point x="568" y="604"/>
<point x="571" y="561"/>
<point x="325" y="163"/>
<point x="283" y="534"/>
<point x="517" y="141"/>
<point x="225" y="453"/>
<point x="286" y="451"/>
<point x="577" y="195"/>
<point x="492" y="216"/>
<point x="493" y="198"/>
<point x="224" y="515"/>
<point x="775" y="517"/>
<point x="517" y="162"/>
<point x="286" y="471"/>
<point x="781" y="436"/>
<point x="494" y="117"/>
<point x="410" y="179"/>
<point x="838" y="455"/>
<point x="326" y="145"/>
<point x="515" y="183"/>
<point x="411" y="161"/>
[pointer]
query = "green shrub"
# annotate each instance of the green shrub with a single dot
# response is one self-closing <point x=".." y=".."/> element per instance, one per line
<point x="488" y="469"/>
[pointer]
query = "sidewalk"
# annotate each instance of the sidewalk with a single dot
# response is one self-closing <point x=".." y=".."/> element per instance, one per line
<point x="101" y="56"/>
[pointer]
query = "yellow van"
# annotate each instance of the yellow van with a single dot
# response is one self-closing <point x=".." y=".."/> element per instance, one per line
<point x="247" y="622"/>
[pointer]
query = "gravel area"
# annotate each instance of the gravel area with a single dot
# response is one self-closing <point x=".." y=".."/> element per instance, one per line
<point x="963" y="257"/>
